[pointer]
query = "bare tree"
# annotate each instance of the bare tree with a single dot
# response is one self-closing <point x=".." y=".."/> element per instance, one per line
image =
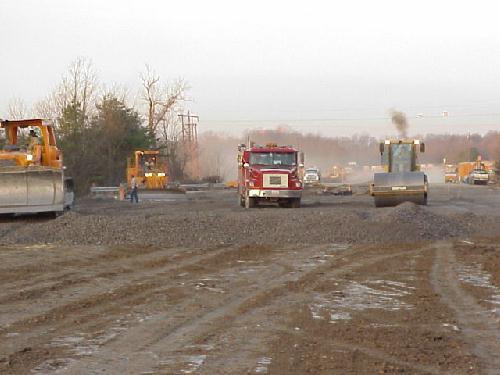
<point x="78" y="87"/>
<point x="18" y="109"/>
<point x="161" y="100"/>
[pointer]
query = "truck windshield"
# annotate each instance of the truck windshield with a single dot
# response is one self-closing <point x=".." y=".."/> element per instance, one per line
<point x="272" y="158"/>
<point x="401" y="157"/>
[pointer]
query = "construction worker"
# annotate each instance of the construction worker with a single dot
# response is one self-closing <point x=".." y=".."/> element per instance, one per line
<point x="33" y="147"/>
<point x="133" y="194"/>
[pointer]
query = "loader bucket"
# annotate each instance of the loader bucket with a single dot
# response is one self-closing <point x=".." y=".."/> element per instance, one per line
<point x="391" y="189"/>
<point x="31" y="190"/>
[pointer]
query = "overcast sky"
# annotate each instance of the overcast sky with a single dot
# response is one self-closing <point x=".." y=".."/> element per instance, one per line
<point x="334" y="67"/>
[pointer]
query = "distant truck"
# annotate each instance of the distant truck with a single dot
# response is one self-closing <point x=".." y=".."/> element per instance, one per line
<point x="269" y="174"/>
<point x="478" y="177"/>
<point x="475" y="172"/>
<point x="312" y="176"/>
<point x="450" y="173"/>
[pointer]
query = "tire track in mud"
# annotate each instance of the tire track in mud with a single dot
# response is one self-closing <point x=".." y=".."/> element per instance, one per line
<point x="300" y="290"/>
<point x="269" y="293"/>
<point x="98" y="311"/>
<point x="87" y="272"/>
<point x="480" y="330"/>
<point x="75" y="287"/>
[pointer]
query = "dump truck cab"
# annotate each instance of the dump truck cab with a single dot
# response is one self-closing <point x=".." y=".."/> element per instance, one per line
<point x="402" y="180"/>
<point x="450" y="173"/>
<point x="312" y="176"/>
<point x="269" y="174"/>
<point x="31" y="169"/>
<point x="149" y="169"/>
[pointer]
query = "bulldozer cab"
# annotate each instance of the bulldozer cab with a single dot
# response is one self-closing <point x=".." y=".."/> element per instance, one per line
<point x="31" y="169"/>
<point x="400" y="156"/>
<point x="29" y="142"/>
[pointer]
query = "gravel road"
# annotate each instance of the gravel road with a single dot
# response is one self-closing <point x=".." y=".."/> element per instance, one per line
<point x="201" y="286"/>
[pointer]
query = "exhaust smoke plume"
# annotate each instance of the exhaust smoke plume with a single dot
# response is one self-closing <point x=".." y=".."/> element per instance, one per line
<point x="399" y="120"/>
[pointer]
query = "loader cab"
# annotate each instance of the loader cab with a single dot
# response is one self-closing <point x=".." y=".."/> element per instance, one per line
<point x="400" y="155"/>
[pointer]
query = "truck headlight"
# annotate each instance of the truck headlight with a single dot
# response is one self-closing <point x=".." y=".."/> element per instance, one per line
<point x="161" y="174"/>
<point x="29" y="157"/>
<point x="148" y="175"/>
<point x="298" y="184"/>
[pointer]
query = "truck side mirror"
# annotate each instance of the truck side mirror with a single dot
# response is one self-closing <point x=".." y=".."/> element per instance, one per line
<point x="381" y="148"/>
<point x="422" y="147"/>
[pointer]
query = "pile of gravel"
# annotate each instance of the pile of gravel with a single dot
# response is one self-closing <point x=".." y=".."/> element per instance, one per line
<point x="427" y="224"/>
<point x="202" y="228"/>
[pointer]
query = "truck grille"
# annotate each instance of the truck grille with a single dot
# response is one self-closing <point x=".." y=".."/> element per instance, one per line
<point x="275" y="180"/>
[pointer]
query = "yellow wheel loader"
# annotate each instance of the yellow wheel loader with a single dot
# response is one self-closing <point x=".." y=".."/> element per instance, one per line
<point x="402" y="180"/>
<point x="149" y="169"/>
<point x="31" y="171"/>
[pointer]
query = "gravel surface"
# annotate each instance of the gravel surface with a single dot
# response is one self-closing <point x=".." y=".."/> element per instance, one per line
<point x="187" y="225"/>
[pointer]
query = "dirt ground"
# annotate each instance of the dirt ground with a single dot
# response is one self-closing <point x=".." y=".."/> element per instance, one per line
<point x="195" y="284"/>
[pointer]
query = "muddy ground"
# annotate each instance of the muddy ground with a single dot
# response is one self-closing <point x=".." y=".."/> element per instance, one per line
<point x="197" y="285"/>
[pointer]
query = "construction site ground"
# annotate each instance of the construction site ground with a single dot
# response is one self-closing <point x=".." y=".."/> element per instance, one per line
<point x="195" y="284"/>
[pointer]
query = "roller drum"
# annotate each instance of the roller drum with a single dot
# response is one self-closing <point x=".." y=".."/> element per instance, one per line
<point x="391" y="189"/>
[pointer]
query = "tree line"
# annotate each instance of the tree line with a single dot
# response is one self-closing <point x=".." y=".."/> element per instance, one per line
<point x="98" y="128"/>
<point x="218" y="151"/>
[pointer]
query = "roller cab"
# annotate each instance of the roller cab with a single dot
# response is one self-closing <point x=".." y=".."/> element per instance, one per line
<point x="403" y="181"/>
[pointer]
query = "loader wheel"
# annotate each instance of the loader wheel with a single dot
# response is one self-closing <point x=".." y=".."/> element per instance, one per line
<point x="250" y="202"/>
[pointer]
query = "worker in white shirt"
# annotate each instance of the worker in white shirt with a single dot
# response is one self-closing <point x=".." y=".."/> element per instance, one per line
<point x="133" y="194"/>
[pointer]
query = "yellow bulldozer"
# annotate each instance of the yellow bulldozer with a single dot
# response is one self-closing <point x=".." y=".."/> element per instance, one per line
<point x="31" y="171"/>
<point x="150" y="171"/>
<point x="402" y="180"/>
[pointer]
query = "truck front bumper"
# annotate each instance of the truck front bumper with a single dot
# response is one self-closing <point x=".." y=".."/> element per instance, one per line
<point x="274" y="193"/>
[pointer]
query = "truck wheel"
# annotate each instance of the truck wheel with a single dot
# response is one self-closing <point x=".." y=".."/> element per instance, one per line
<point x="241" y="200"/>
<point x="249" y="201"/>
<point x="284" y="203"/>
<point x="295" y="203"/>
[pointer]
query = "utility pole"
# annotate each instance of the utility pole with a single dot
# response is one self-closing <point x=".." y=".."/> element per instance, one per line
<point x="189" y="131"/>
<point x="189" y="124"/>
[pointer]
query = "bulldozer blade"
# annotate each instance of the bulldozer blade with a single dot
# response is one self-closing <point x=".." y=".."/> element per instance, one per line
<point x="31" y="190"/>
<point x="391" y="189"/>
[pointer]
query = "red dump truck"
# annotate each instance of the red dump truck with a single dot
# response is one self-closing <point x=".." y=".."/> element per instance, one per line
<point x="269" y="174"/>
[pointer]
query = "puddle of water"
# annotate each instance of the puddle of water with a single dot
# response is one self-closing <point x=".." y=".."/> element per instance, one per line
<point x="452" y="326"/>
<point x="339" y="316"/>
<point x="476" y="276"/>
<point x="262" y="365"/>
<point x="355" y="296"/>
<point x="193" y="363"/>
<point x="52" y="366"/>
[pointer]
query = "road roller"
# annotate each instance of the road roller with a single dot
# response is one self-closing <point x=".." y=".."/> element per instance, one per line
<point x="31" y="171"/>
<point x="402" y="180"/>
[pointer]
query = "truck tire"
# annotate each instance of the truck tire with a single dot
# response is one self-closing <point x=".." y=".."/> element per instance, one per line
<point x="250" y="202"/>
<point x="295" y="203"/>
<point x="241" y="200"/>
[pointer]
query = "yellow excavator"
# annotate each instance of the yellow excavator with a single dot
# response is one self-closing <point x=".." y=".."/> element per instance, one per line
<point x="149" y="169"/>
<point x="402" y="180"/>
<point x="31" y="170"/>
